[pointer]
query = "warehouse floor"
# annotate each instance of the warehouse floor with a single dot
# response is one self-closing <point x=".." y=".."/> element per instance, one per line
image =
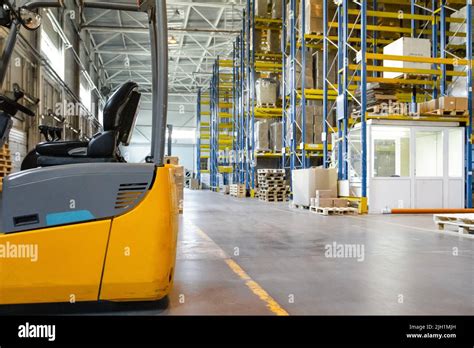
<point x="242" y="256"/>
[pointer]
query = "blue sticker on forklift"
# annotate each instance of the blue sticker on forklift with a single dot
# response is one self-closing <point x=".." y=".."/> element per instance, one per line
<point x="68" y="217"/>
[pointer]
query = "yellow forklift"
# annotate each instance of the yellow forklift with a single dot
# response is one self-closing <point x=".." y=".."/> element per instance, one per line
<point x="85" y="225"/>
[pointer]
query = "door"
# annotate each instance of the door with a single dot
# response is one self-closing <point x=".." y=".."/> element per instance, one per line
<point x="429" y="183"/>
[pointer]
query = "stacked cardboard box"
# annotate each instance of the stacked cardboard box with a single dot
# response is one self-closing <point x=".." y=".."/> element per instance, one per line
<point x="459" y="27"/>
<point x="308" y="72"/>
<point x="261" y="8"/>
<point x="273" y="41"/>
<point x="277" y="9"/>
<point x="444" y="104"/>
<point x="393" y="22"/>
<point x="179" y="180"/>
<point x="262" y="140"/>
<point x="276" y="134"/>
<point x="266" y="91"/>
<point x="326" y="199"/>
<point x="318" y="68"/>
<point x="258" y="40"/>
<point x="313" y="16"/>
<point x="306" y="182"/>
<point x="406" y="46"/>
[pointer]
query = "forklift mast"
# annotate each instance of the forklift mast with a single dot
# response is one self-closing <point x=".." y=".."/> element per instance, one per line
<point x="158" y="26"/>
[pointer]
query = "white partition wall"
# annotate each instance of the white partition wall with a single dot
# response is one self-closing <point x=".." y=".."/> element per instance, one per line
<point x="412" y="165"/>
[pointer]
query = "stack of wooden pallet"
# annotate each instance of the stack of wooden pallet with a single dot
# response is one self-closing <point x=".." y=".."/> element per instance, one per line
<point x="272" y="185"/>
<point x="5" y="164"/>
<point x="464" y="223"/>
<point x="238" y="190"/>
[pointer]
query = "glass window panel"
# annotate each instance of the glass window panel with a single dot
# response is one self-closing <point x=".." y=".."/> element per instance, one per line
<point x="429" y="153"/>
<point x="455" y="152"/>
<point x="391" y="146"/>
<point x="355" y="151"/>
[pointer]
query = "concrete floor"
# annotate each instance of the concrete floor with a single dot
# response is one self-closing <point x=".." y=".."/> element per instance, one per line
<point x="279" y="264"/>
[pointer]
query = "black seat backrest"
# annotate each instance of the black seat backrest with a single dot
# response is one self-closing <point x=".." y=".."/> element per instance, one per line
<point x="128" y="119"/>
<point x="116" y="106"/>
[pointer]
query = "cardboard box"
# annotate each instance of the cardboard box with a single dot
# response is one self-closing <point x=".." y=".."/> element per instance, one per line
<point x="172" y="160"/>
<point x="459" y="27"/>
<point x="324" y="202"/>
<point x="324" y="194"/>
<point x="305" y="182"/>
<point x="274" y="41"/>
<point x="276" y="137"/>
<point x="406" y="46"/>
<point x="432" y="105"/>
<point x="313" y="16"/>
<point x="340" y="203"/>
<point x="258" y="40"/>
<point x="179" y="180"/>
<point x="326" y="179"/>
<point x="461" y="104"/>
<point x="277" y="9"/>
<point x="447" y="103"/>
<point x="266" y="91"/>
<point x="261" y="8"/>
<point x="262" y="138"/>
<point x="194" y="184"/>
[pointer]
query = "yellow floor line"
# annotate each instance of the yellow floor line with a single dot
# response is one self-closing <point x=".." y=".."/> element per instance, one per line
<point x="271" y="304"/>
<point x="256" y="288"/>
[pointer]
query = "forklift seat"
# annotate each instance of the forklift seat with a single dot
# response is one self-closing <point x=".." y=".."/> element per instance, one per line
<point x="120" y="114"/>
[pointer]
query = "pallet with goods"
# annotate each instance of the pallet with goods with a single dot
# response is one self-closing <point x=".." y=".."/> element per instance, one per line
<point x="238" y="190"/>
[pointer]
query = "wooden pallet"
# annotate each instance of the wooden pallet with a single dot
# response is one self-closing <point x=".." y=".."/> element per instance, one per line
<point x="334" y="211"/>
<point x="273" y="199"/>
<point x="463" y="222"/>
<point x="442" y="112"/>
<point x="272" y="182"/>
<point x="273" y="188"/>
<point x="239" y="191"/>
<point x="5" y="163"/>
<point x="299" y="206"/>
<point x="271" y="175"/>
<point x="267" y="105"/>
<point x="271" y="171"/>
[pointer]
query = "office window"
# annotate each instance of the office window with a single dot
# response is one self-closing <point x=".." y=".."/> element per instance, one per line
<point x="455" y="153"/>
<point x="429" y="153"/>
<point x="391" y="152"/>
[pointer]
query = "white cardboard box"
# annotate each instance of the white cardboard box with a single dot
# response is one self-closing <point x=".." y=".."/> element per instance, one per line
<point x="406" y="46"/>
<point x="307" y="181"/>
<point x="459" y="27"/>
<point x="266" y="90"/>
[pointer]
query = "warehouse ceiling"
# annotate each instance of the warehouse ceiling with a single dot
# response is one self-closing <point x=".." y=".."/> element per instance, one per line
<point x="199" y="31"/>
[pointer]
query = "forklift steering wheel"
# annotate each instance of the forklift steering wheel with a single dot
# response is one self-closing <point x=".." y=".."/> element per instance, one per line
<point x="11" y="107"/>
